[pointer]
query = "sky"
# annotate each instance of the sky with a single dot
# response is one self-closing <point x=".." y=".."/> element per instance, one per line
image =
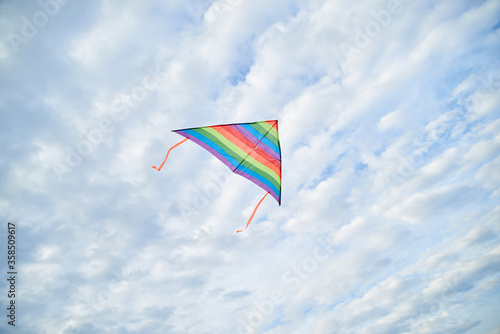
<point x="389" y="124"/>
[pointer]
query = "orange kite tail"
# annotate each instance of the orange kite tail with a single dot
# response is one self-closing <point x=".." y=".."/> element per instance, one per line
<point x="159" y="169"/>
<point x="253" y="214"/>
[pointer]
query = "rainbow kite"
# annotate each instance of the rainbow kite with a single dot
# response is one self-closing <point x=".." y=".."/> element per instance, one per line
<point x="251" y="150"/>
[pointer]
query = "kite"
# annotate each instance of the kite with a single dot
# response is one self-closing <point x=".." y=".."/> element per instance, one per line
<point x="251" y="150"/>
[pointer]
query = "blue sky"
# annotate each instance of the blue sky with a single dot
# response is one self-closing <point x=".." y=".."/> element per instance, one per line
<point x="389" y="116"/>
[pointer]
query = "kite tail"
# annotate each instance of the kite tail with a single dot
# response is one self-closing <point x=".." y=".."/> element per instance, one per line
<point x="159" y="169"/>
<point x="253" y="214"/>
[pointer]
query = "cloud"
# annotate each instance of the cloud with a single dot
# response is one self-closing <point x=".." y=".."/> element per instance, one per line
<point x="388" y="222"/>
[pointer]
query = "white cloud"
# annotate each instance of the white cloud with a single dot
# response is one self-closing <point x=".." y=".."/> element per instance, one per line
<point x="390" y="120"/>
<point x="117" y="247"/>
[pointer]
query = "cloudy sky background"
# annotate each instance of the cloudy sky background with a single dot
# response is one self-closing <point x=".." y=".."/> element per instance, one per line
<point x="389" y="125"/>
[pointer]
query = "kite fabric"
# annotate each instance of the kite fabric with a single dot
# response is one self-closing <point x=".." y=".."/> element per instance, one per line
<point x="251" y="150"/>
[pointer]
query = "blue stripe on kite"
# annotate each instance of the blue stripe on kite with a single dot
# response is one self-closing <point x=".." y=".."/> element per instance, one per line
<point x="262" y="179"/>
<point x="213" y="145"/>
<point x="258" y="135"/>
<point x="208" y="148"/>
<point x="260" y="184"/>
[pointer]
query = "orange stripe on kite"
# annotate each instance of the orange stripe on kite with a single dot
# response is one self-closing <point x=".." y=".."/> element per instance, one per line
<point x="266" y="160"/>
<point x="274" y="124"/>
<point x="230" y="132"/>
<point x="257" y="153"/>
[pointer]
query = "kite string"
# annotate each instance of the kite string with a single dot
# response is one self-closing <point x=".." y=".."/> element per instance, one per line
<point x="253" y="214"/>
<point x="258" y="143"/>
<point x="159" y="169"/>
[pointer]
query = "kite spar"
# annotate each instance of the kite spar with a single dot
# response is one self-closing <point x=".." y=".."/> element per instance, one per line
<point x="251" y="150"/>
